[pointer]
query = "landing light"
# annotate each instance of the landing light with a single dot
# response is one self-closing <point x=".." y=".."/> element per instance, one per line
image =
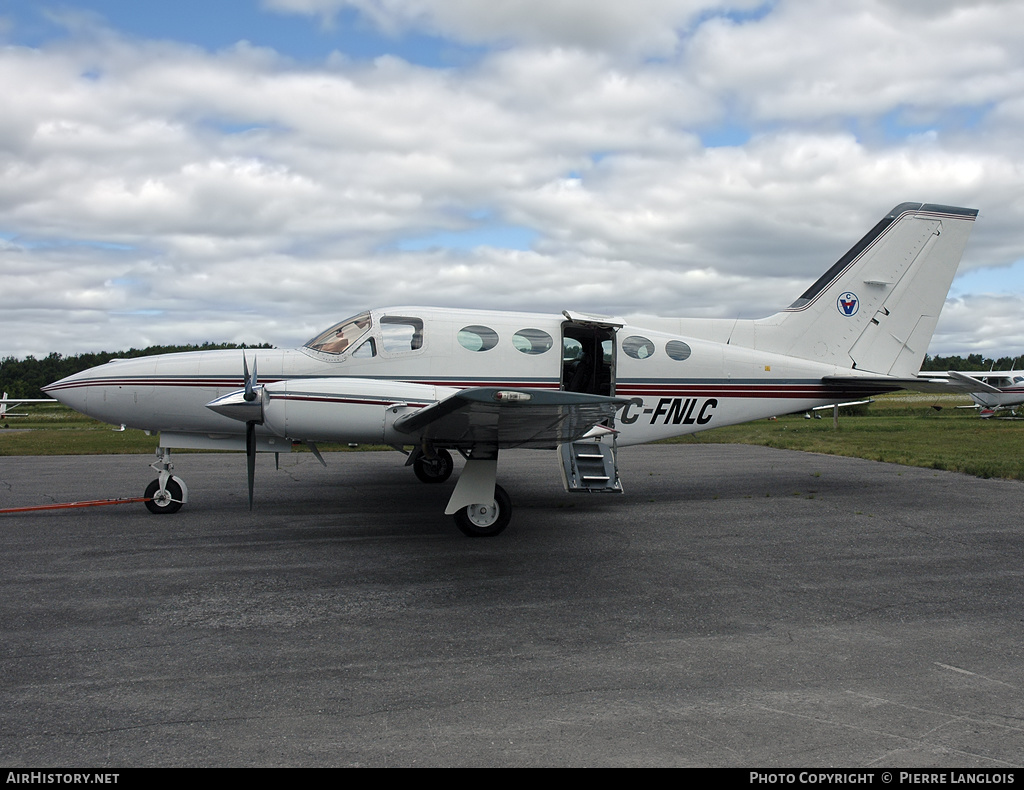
<point x="510" y="395"/>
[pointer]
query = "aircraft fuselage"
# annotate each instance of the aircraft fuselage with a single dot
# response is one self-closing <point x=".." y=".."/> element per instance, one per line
<point x="417" y="355"/>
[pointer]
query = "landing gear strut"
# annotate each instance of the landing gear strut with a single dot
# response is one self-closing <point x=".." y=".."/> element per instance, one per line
<point x="167" y="493"/>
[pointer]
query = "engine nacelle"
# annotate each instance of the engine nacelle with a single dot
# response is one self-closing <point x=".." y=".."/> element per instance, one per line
<point x="344" y="409"/>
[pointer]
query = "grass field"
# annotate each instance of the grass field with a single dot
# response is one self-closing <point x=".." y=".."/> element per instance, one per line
<point x="57" y="430"/>
<point x="901" y="428"/>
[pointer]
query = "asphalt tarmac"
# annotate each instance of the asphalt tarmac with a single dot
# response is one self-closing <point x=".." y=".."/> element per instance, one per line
<point x="737" y="606"/>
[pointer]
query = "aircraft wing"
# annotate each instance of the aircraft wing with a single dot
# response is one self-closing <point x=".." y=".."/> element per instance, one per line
<point x="841" y="405"/>
<point x="505" y="418"/>
<point x="973" y="384"/>
<point x="952" y="382"/>
<point x="13" y="403"/>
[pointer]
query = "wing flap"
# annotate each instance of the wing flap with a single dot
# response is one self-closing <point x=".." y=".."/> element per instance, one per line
<point x="506" y="418"/>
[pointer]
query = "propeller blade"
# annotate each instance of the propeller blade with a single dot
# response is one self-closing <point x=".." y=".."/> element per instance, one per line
<point x="250" y="382"/>
<point x="250" y="456"/>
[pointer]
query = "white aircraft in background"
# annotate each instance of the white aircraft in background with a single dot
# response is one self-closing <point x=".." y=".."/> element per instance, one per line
<point x="993" y="390"/>
<point x="13" y="403"/>
<point x="481" y="382"/>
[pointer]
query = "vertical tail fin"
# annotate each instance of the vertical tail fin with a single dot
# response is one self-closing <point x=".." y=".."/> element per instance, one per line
<point x="876" y="308"/>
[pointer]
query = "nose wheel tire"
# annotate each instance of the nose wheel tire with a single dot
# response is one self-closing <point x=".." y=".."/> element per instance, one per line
<point x="486" y="520"/>
<point x="436" y="469"/>
<point x="167" y="500"/>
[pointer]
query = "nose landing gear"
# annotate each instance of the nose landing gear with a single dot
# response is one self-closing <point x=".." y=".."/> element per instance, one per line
<point x="167" y="493"/>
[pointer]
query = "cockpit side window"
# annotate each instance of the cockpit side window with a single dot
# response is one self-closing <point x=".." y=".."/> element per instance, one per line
<point x="341" y="337"/>
<point x="365" y="350"/>
<point x="401" y="334"/>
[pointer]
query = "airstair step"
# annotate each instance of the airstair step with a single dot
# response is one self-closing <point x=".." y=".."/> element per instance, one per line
<point x="589" y="466"/>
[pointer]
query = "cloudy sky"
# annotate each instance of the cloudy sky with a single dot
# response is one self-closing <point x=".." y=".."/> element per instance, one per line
<point x="255" y="170"/>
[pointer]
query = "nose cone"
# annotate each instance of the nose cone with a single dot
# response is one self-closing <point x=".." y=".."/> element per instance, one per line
<point x="110" y="393"/>
<point x="72" y="391"/>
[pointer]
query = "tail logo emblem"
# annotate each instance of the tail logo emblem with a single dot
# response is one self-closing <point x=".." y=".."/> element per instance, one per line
<point x="848" y="303"/>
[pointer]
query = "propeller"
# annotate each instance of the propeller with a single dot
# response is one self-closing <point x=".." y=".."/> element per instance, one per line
<point x="250" y="456"/>
<point x="250" y="425"/>
<point x="245" y="405"/>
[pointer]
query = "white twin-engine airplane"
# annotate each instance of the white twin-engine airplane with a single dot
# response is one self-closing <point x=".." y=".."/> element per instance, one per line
<point x="480" y="382"/>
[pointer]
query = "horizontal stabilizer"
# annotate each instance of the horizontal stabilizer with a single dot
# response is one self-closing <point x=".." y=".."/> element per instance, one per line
<point x="879" y="384"/>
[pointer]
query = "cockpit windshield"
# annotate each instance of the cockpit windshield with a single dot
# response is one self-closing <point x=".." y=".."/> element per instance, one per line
<point x="341" y="337"/>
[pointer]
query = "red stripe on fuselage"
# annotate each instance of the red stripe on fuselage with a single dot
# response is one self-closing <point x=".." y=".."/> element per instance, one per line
<point x="623" y="389"/>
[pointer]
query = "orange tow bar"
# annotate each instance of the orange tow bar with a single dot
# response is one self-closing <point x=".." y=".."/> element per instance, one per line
<point x="64" y="505"/>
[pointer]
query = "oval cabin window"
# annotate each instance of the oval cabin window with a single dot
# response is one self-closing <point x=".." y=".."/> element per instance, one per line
<point x="478" y="338"/>
<point x="678" y="350"/>
<point x="638" y="347"/>
<point x="532" y="341"/>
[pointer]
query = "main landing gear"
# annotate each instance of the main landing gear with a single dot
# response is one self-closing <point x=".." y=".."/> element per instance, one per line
<point x="481" y="508"/>
<point x="435" y="469"/>
<point x="485" y="521"/>
<point x="167" y="493"/>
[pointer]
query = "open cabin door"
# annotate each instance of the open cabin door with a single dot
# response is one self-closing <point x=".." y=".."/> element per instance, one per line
<point x="588" y="353"/>
<point x="588" y="365"/>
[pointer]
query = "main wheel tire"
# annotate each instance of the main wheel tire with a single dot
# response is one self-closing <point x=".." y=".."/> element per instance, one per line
<point x="486" y="521"/>
<point x="436" y="469"/>
<point x="166" y="501"/>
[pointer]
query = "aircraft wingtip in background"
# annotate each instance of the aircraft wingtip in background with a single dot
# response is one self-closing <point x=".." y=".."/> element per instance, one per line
<point x="12" y="403"/>
<point x="480" y="382"/>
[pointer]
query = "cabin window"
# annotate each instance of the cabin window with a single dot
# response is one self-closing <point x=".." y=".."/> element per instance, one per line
<point x="677" y="349"/>
<point x="478" y="338"/>
<point x="532" y="341"/>
<point x="399" y="334"/>
<point x="340" y="337"/>
<point x="638" y="347"/>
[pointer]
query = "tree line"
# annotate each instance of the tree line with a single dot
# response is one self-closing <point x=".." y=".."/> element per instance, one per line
<point x="25" y="378"/>
<point x="971" y="362"/>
